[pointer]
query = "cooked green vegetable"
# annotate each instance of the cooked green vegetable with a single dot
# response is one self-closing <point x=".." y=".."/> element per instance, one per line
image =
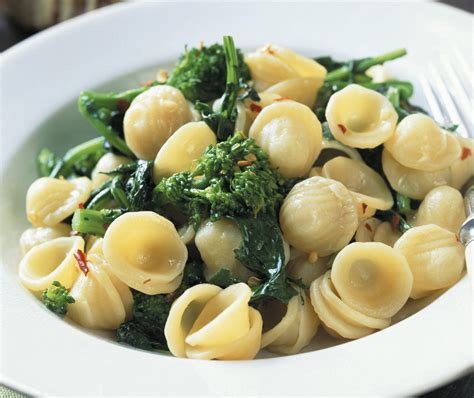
<point x="94" y="222"/>
<point x="201" y="72"/>
<point x="56" y="298"/>
<point x="223" y="278"/>
<point x="403" y="204"/>
<point x="233" y="178"/>
<point x="46" y="161"/>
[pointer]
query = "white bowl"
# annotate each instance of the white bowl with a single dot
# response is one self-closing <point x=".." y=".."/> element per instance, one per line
<point x="120" y="47"/>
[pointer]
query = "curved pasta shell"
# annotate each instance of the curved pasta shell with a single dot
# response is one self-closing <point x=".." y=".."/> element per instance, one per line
<point x="318" y="215"/>
<point x="291" y="135"/>
<point x="443" y="206"/>
<point x="331" y="320"/>
<point x="187" y="233"/>
<point x="360" y="179"/>
<point x="106" y="164"/>
<point x="207" y="322"/>
<point x="435" y="256"/>
<point x="51" y="261"/>
<point x="301" y="268"/>
<point x="49" y="200"/>
<point x="296" y="328"/>
<point x="145" y="252"/>
<point x="346" y="312"/>
<point x="360" y="117"/>
<point x="463" y="168"/>
<point x="366" y="230"/>
<point x="301" y="89"/>
<point x="410" y="182"/>
<point x="372" y="278"/>
<point x="315" y="172"/>
<point x="34" y="236"/>
<point x="216" y="242"/>
<point x="153" y="116"/>
<point x="386" y="233"/>
<point x="420" y="144"/>
<point x="332" y="148"/>
<point x="306" y="67"/>
<point x="182" y="149"/>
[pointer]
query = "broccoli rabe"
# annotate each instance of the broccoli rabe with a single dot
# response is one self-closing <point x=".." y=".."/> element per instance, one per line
<point x="201" y="73"/>
<point x="56" y="298"/>
<point x="94" y="222"/>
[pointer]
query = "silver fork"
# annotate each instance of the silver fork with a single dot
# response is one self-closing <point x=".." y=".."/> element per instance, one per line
<point x="450" y="100"/>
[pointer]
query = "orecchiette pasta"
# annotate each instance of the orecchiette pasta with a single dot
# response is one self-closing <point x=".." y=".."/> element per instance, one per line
<point x="216" y="242"/>
<point x="463" y="168"/>
<point x="302" y="89"/>
<point x="49" y="200"/>
<point x="294" y="330"/>
<point x="435" y="256"/>
<point x="51" y="261"/>
<point x="145" y="252"/>
<point x="291" y="135"/>
<point x="360" y="117"/>
<point x="318" y="215"/>
<point x="302" y="268"/>
<point x="106" y="163"/>
<point x="184" y="147"/>
<point x="443" y="206"/>
<point x="152" y="118"/>
<point x="315" y="172"/>
<point x="420" y="144"/>
<point x="333" y="148"/>
<point x="410" y="182"/>
<point x="372" y="278"/>
<point x="102" y="301"/>
<point x="35" y="236"/>
<point x="365" y="183"/>
<point x="366" y="230"/>
<point x="207" y="322"/>
<point x="386" y="233"/>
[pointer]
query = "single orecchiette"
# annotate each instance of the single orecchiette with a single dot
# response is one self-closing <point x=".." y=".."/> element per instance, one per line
<point x="35" y="236"/>
<point x="386" y="233"/>
<point x="420" y="144"/>
<point x="302" y="268"/>
<point x="145" y="252"/>
<point x="216" y="242"/>
<point x="102" y="301"/>
<point x="291" y="135"/>
<point x="207" y="322"/>
<point x="318" y="215"/>
<point x="302" y="89"/>
<point x="106" y="163"/>
<point x="463" y="168"/>
<point x="410" y="182"/>
<point x="443" y="206"/>
<point x="291" y="332"/>
<point x="183" y="148"/>
<point x="360" y="117"/>
<point x="49" y="200"/>
<point x="360" y="179"/>
<point x="366" y="230"/>
<point x="372" y="278"/>
<point x="51" y="261"/>
<point x="435" y="256"/>
<point x="332" y="148"/>
<point x="152" y="118"/>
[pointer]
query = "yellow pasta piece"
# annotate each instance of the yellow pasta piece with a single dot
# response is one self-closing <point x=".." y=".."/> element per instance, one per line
<point x="301" y="89"/>
<point x="51" y="261"/>
<point x="360" y="117"/>
<point x="420" y="144"/>
<point x="49" y="200"/>
<point x="106" y="163"/>
<point x="152" y="118"/>
<point x="302" y="268"/>
<point x="386" y="233"/>
<point x="291" y="135"/>
<point x="435" y="256"/>
<point x="463" y="168"/>
<point x="145" y="252"/>
<point x="182" y="149"/>
<point x="318" y="215"/>
<point x="410" y="182"/>
<point x="35" y="236"/>
<point x="360" y="179"/>
<point x="332" y="148"/>
<point x="366" y="230"/>
<point x="372" y="278"/>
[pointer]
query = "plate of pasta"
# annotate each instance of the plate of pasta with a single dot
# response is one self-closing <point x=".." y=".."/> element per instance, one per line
<point x="253" y="205"/>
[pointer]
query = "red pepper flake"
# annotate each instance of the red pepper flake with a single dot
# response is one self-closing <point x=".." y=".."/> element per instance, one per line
<point x="395" y="221"/>
<point x="146" y="280"/>
<point x="122" y="105"/>
<point x="364" y="207"/>
<point x="148" y="83"/>
<point x="81" y="259"/>
<point x="282" y="99"/>
<point x="457" y="238"/>
<point x="367" y="226"/>
<point x="80" y="205"/>
<point x="106" y="226"/>
<point x="466" y="152"/>
<point x="255" y="108"/>
<point x="343" y="128"/>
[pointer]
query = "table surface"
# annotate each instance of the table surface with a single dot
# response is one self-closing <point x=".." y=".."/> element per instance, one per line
<point x="460" y="388"/>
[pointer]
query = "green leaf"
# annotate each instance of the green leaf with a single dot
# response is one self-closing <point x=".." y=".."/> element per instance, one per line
<point x="223" y="278"/>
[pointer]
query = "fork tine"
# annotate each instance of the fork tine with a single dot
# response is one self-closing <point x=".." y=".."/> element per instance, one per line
<point x="463" y="65"/>
<point x="432" y="101"/>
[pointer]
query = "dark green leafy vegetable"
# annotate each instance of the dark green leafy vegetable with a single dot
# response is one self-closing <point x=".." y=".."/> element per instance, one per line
<point x="46" y="161"/>
<point x="403" y="204"/>
<point x="201" y="72"/>
<point x="146" y="328"/>
<point x="223" y="278"/>
<point x="94" y="222"/>
<point x="262" y="252"/>
<point x="233" y="178"/>
<point x="56" y="298"/>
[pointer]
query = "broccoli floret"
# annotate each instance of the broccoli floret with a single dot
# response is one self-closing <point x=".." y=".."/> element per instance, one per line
<point x="201" y="73"/>
<point x="56" y="298"/>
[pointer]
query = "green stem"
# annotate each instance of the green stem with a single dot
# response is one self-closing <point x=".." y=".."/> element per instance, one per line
<point x="100" y="200"/>
<point x="88" y="221"/>
<point x="338" y="74"/>
<point x="119" y="194"/>
<point x="366" y="64"/>
<point x="232" y="64"/>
